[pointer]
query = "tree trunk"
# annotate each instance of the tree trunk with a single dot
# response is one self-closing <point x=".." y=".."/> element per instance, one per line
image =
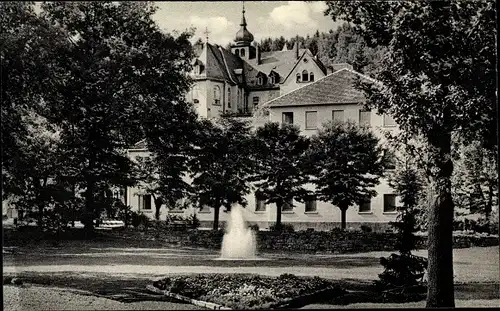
<point x="216" y="218"/>
<point x="158" y="203"/>
<point x="440" y="291"/>
<point x="343" y="217"/>
<point x="279" y="206"/>
<point x="88" y="214"/>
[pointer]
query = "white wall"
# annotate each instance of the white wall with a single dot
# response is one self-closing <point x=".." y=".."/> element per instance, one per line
<point x="291" y="82"/>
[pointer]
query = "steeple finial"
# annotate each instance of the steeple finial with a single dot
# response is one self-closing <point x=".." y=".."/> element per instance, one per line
<point x="206" y="33"/>
<point x="243" y="20"/>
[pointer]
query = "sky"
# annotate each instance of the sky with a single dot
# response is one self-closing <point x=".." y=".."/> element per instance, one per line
<point x="264" y="18"/>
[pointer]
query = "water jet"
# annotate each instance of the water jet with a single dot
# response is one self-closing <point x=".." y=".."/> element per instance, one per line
<point x="239" y="242"/>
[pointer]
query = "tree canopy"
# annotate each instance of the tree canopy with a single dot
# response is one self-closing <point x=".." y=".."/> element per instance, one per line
<point x="437" y="79"/>
<point x="346" y="162"/>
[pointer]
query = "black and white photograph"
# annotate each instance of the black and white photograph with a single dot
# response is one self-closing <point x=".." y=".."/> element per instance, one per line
<point x="249" y="155"/>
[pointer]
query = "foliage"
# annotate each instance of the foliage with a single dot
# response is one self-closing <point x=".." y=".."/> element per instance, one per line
<point x="346" y="162"/>
<point x="221" y="166"/>
<point x="366" y="228"/>
<point x="112" y="64"/>
<point x="280" y="153"/>
<point x="240" y="291"/>
<point x="285" y="227"/>
<point x="139" y="219"/>
<point x="435" y="86"/>
<point x="193" y="221"/>
<point x="404" y="269"/>
<point x="343" y="45"/>
<point x="475" y="183"/>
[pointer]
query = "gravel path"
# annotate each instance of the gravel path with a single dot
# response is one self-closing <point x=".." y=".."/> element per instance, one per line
<point x="53" y="298"/>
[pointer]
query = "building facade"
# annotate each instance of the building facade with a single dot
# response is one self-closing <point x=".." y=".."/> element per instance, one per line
<point x="238" y="81"/>
<point x="287" y="86"/>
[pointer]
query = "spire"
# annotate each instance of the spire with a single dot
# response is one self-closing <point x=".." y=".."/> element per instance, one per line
<point x="206" y="34"/>
<point x="243" y="20"/>
<point x="243" y="36"/>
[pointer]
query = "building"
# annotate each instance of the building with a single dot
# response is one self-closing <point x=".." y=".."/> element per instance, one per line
<point x="239" y="81"/>
<point x="287" y="86"/>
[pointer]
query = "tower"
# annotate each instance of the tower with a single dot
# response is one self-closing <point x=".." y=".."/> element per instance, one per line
<point x="243" y="39"/>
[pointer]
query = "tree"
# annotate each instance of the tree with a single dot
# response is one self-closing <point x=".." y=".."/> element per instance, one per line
<point x="346" y="162"/>
<point x="26" y="50"/>
<point x="281" y="157"/>
<point x="405" y="270"/>
<point x="437" y="79"/>
<point x="221" y="168"/>
<point x="475" y="181"/>
<point x="113" y="74"/>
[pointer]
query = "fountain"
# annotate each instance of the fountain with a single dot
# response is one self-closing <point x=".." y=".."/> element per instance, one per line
<point x="239" y="241"/>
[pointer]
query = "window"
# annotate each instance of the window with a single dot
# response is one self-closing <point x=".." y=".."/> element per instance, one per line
<point x="287" y="206"/>
<point x="305" y="76"/>
<point x="229" y="98"/>
<point x="338" y="115"/>
<point x="310" y="204"/>
<point x="260" y="202"/>
<point x="389" y="121"/>
<point x="255" y="101"/>
<point x="237" y="52"/>
<point x="287" y="118"/>
<point x="389" y="203"/>
<point x="217" y="95"/>
<point x="365" y="207"/>
<point x="196" y="94"/>
<point x="311" y="76"/>
<point x="144" y="201"/>
<point x="390" y="159"/>
<point x="311" y="119"/>
<point x="242" y="52"/>
<point x="364" y="117"/>
<point x="298" y="77"/>
<point x="272" y="79"/>
<point x="260" y="81"/>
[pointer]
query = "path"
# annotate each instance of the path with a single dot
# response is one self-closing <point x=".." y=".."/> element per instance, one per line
<point x="478" y="264"/>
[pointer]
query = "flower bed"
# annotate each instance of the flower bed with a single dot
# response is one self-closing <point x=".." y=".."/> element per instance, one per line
<point x="243" y="291"/>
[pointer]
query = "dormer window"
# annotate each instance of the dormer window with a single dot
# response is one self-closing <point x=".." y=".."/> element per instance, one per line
<point x="298" y="77"/>
<point x="305" y="76"/>
<point x="272" y="79"/>
<point x="242" y="52"/>
<point x="311" y="76"/>
<point x="260" y="81"/>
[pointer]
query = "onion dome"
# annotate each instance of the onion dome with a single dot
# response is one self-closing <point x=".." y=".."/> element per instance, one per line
<point x="243" y="36"/>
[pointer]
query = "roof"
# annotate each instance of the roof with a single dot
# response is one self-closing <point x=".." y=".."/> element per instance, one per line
<point x="221" y="64"/>
<point x="336" y="88"/>
<point x="281" y="62"/>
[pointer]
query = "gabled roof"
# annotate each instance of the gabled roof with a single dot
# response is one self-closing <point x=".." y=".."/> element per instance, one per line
<point x="281" y="62"/>
<point x="336" y="88"/>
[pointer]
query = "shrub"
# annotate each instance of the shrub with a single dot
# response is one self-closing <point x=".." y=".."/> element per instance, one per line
<point x="366" y="228"/>
<point x="139" y="219"/>
<point x="285" y="227"/>
<point x="193" y="221"/>
<point x="403" y="270"/>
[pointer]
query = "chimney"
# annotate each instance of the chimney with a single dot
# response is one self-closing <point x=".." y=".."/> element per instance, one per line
<point x="297" y="47"/>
